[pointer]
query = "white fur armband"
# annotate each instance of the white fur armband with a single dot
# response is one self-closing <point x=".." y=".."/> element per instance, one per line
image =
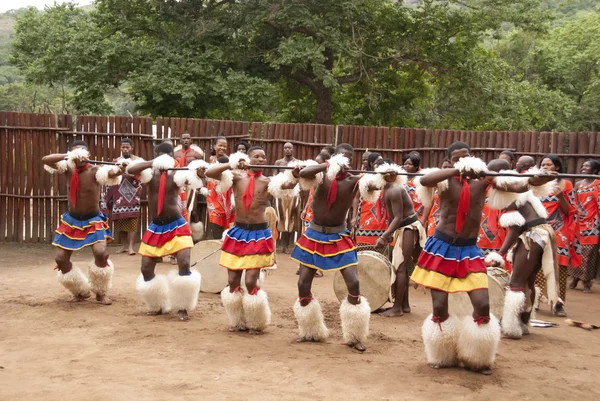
<point x="544" y="189"/>
<point x="425" y="194"/>
<point x="234" y="160"/>
<point x="495" y="257"/>
<point x="225" y="182"/>
<point x="61" y="167"/>
<point x="512" y="219"/>
<point x="308" y="183"/>
<point x="536" y="204"/>
<point x="103" y="178"/>
<point x="163" y="162"/>
<point x="194" y="181"/>
<point x="276" y="184"/>
<point x="335" y="165"/>
<point x="470" y="164"/>
<point x="145" y="175"/>
<point x="77" y="154"/>
<point x="392" y="168"/>
<point x="368" y="182"/>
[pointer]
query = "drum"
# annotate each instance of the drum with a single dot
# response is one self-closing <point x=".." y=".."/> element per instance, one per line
<point x="498" y="279"/>
<point x="375" y="276"/>
<point x="205" y="258"/>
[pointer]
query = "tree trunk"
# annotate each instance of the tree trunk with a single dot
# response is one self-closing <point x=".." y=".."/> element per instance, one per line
<point x="324" y="105"/>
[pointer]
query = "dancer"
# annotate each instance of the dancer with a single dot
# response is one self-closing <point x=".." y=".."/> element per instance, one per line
<point x="533" y="247"/>
<point x="288" y="209"/>
<point x="168" y="234"/>
<point x="326" y="245"/>
<point x="83" y="224"/>
<point x="248" y="246"/>
<point x="452" y="262"/>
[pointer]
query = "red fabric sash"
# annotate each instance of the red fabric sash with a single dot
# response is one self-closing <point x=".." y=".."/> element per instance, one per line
<point x="464" y="203"/>
<point x="162" y="188"/>
<point x="184" y="153"/>
<point x="249" y="192"/>
<point x="74" y="187"/>
<point x="333" y="188"/>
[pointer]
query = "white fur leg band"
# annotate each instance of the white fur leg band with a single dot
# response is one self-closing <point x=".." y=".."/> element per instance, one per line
<point x="74" y="281"/>
<point x="232" y="301"/>
<point x="311" y="322"/>
<point x="514" y="304"/>
<point x="101" y="277"/>
<point x="470" y="164"/>
<point x="103" y="177"/>
<point x="256" y="310"/>
<point x="440" y="341"/>
<point x="478" y="343"/>
<point x="355" y="320"/>
<point x="154" y="293"/>
<point x="184" y="290"/>
<point x="495" y="257"/>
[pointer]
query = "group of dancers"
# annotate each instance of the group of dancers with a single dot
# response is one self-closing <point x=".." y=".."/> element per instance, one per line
<point x="450" y="260"/>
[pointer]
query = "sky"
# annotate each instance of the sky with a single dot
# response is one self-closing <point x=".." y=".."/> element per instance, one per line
<point x="6" y="5"/>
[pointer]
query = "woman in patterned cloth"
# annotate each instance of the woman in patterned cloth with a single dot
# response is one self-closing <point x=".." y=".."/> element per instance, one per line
<point x="560" y="204"/>
<point x="587" y="200"/>
<point x="412" y="164"/>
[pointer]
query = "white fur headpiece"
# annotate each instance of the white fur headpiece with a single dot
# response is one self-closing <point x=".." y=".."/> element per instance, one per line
<point x="61" y="167"/>
<point x="235" y="158"/>
<point x="494" y="257"/>
<point x="470" y="164"/>
<point x="335" y="165"/>
<point x="103" y="178"/>
<point x="193" y="147"/>
<point x="225" y="182"/>
<point x="77" y="154"/>
<point x="276" y="184"/>
<point x="145" y="175"/>
<point x="425" y="194"/>
<point x="512" y="219"/>
<point x="307" y="184"/>
<point x="163" y="162"/>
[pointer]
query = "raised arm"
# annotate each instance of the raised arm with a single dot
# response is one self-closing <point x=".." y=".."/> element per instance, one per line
<point x="435" y="177"/>
<point x="215" y="172"/>
<point x="312" y="171"/>
<point x="51" y="160"/>
<point x="137" y="168"/>
<point x="520" y="185"/>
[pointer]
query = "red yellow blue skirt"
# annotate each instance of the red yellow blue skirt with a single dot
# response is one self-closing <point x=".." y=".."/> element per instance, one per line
<point x="449" y="267"/>
<point x="166" y="239"/>
<point x="325" y="252"/>
<point x="244" y="249"/>
<point x="73" y="234"/>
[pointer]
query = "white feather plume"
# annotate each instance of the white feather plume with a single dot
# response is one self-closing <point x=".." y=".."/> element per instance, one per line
<point x="512" y="219"/>
<point x="276" y="184"/>
<point x="234" y="160"/>
<point x="77" y="155"/>
<point x="103" y="178"/>
<point x="470" y="164"/>
<point x="494" y="257"/>
<point x="163" y="162"/>
<point x="225" y="182"/>
<point x="335" y="166"/>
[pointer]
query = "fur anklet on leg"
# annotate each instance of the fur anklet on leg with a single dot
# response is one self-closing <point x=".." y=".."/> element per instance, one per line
<point x="74" y="281"/>
<point x="440" y="340"/>
<point x="184" y="290"/>
<point x="311" y="322"/>
<point x="478" y="343"/>
<point x="256" y="310"/>
<point x="101" y="277"/>
<point x="514" y="305"/>
<point x="154" y="293"/>
<point x="355" y="320"/>
<point x="232" y="301"/>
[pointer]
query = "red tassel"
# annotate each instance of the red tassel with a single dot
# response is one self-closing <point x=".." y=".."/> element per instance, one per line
<point x="333" y="188"/>
<point x="74" y="187"/>
<point x="184" y="153"/>
<point x="162" y="187"/>
<point x="463" y="204"/>
<point x="249" y="192"/>
<point x="481" y="319"/>
<point x="255" y="291"/>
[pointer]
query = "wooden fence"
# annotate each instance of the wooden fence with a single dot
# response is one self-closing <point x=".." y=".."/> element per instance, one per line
<point x="31" y="201"/>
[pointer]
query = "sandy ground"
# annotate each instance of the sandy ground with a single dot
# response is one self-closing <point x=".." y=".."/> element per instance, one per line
<point x="53" y="350"/>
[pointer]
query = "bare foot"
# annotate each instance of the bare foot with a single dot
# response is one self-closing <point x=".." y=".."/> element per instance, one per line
<point x="173" y="260"/>
<point x="357" y="346"/>
<point x="306" y="340"/>
<point x="121" y="250"/>
<point x="392" y="312"/>
<point x="483" y="371"/>
<point x="103" y="299"/>
<point x="131" y="252"/>
<point x="80" y="297"/>
<point x="435" y="366"/>
<point x="154" y="313"/>
<point x="406" y="309"/>
<point x="286" y="251"/>
<point x="236" y="329"/>
<point x="318" y="273"/>
<point x="380" y="311"/>
<point x="253" y="332"/>
<point x="183" y="316"/>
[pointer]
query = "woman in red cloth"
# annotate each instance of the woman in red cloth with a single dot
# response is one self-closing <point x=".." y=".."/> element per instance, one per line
<point x="587" y="199"/>
<point x="560" y="204"/>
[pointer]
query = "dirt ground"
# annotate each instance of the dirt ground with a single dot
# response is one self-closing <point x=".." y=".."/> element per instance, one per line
<point x="53" y="350"/>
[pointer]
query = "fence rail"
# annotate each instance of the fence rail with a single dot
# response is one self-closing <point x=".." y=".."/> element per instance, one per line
<point x="31" y="201"/>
